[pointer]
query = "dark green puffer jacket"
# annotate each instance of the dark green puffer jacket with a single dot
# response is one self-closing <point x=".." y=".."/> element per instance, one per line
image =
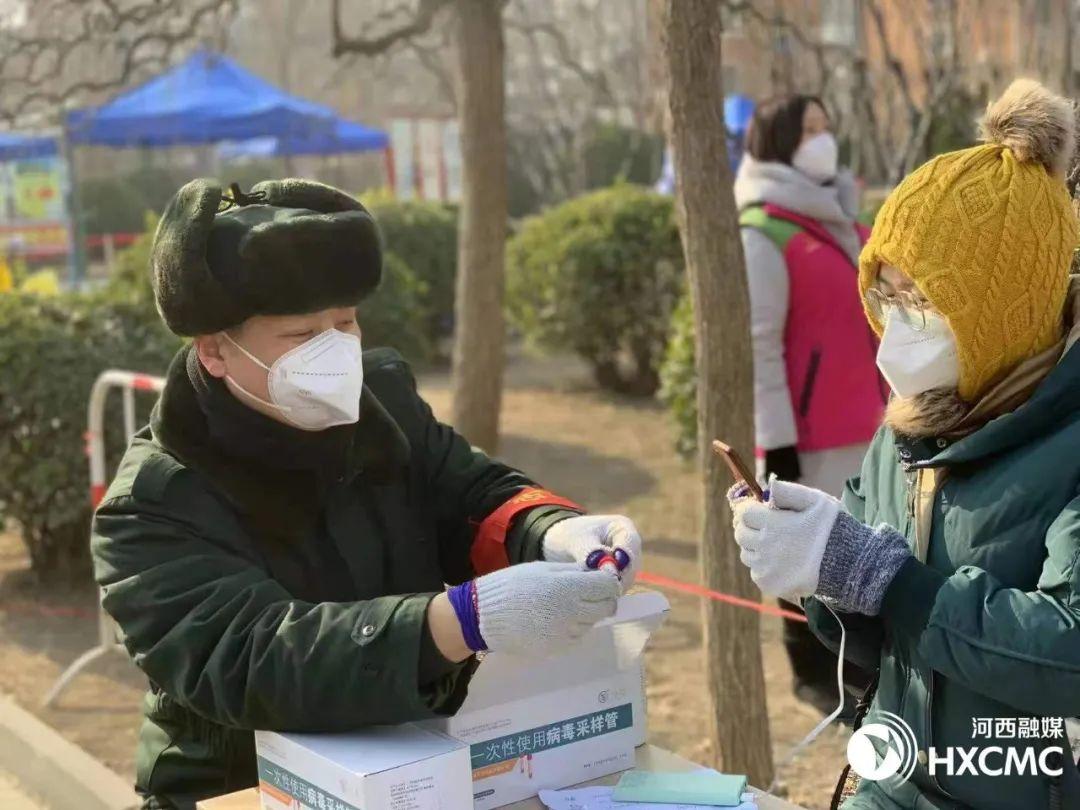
<point x="210" y="568"/>
<point x="984" y="620"/>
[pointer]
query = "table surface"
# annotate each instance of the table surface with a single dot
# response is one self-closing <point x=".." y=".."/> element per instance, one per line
<point x="649" y="758"/>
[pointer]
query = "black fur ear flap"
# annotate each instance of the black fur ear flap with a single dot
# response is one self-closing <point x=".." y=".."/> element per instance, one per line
<point x="294" y="192"/>
<point x="189" y="298"/>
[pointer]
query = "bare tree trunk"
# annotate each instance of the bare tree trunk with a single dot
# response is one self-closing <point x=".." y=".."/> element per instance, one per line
<point x="479" y="325"/>
<point x="691" y="32"/>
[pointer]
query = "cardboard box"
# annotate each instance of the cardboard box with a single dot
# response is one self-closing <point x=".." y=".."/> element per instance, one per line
<point x="382" y="768"/>
<point x="534" y="724"/>
<point x="241" y="800"/>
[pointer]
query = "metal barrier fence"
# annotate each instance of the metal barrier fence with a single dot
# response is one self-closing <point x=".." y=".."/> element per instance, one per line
<point x="128" y="382"/>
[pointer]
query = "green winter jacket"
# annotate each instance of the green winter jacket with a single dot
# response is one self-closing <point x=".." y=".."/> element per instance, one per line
<point x="207" y="565"/>
<point x="984" y="620"/>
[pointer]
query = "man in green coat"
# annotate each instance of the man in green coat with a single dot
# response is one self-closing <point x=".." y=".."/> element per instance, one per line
<point x="953" y="562"/>
<point x="276" y="545"/>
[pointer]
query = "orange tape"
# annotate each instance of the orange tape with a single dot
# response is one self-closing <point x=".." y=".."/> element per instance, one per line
<point x="717" y="596"/>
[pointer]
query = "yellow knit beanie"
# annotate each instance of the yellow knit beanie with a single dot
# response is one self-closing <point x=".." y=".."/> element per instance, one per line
<point x="987" y="234"/>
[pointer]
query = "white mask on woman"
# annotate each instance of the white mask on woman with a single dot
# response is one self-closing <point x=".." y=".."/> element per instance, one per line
<point x="817" y="157"/>
<point x="316" y="385"/>
<point x="917" y="360"/>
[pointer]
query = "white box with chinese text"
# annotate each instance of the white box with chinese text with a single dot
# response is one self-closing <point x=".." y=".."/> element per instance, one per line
<point x="381" y="768"/>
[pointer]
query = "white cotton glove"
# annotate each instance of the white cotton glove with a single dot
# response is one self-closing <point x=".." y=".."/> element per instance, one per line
<point x="574" y="539"/>
<point x="784" y="539"/>
<point x="541" y="607"/>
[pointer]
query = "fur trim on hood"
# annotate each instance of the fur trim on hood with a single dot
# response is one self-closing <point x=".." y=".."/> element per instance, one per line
<point x="931" y="413"/>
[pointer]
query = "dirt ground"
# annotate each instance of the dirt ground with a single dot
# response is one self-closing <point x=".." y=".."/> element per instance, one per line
<point x="610" y="454"/>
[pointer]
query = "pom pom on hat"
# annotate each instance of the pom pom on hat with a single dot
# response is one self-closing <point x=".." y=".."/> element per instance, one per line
<point x="1037" y="125"/>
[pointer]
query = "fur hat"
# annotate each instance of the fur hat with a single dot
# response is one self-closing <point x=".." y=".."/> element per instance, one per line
<point x="286" y="247"/>
<point x="988" y="233"/>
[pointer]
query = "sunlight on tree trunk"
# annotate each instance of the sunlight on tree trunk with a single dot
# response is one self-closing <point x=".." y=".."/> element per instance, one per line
<point x="691" y="35"/>
<point x="479" y="324"/>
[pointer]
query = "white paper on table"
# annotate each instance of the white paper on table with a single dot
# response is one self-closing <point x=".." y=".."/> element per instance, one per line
<point x="599" y="798"/>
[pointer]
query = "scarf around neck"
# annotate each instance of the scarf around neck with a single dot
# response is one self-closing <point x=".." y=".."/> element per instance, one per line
<point x="274" y="475"/>
<point x="248" y="435"/>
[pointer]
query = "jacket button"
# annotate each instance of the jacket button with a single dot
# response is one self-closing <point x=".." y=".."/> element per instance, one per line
<point x="367" y="631"/>
<point x="923" y="758"/>
<point x="942" y="443"/>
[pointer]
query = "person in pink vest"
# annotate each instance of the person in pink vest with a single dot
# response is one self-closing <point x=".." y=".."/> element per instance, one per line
<point x="818" y="396"/>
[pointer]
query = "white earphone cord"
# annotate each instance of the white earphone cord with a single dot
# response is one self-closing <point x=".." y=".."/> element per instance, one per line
<point x="815" y="732"/>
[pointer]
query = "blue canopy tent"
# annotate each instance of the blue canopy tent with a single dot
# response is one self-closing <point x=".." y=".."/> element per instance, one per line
<point x="346" y="136"/>
<point x="17" y="146"/>
<point x="208" y="98"/>
<point x="205" y="99"/>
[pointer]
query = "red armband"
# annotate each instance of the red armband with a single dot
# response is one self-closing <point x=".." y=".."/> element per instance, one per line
<point x="489" y="544"/>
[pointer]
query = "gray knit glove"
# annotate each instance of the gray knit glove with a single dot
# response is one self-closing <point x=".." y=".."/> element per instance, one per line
<point x="801" y="543"/>
<point x="574" y="539"/>
<point x="859" y="564"/>
<point x="539" y="608"/>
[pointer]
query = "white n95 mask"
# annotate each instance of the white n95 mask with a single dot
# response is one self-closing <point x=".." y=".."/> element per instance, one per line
<point x="316" y="385"/>
<point x="917" y="360"/>
<point x="817" y="157"/>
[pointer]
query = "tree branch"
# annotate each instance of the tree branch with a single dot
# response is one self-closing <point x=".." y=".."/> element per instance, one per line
<point x="780" y="22"/>
<point x="36" y="70"/>
<point x="894" y="64"/>
<point x="431" y="61"/>
<point x="591" y="78"/>
<point x="417" y="25"/>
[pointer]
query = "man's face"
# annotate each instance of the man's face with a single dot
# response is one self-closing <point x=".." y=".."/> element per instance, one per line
<point x="267" y="337"/>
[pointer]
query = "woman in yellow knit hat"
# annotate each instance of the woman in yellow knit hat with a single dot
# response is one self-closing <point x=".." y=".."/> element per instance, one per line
<point x="953" y="561"/>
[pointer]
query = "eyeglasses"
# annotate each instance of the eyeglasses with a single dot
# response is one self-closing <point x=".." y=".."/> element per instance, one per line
<point x="910" y="306"/>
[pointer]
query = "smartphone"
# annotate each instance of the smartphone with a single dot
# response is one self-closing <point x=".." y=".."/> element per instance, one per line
<point x="738" y="468"/>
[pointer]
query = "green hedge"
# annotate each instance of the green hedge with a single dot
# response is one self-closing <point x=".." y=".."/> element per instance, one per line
<point x="130" y="277"/>
<point x="423" y="235"/>
<point x="393" y="315"/>
<point x="600" y="275"/>
<point x="52" y="350"/>
<point x="678" y="378"/>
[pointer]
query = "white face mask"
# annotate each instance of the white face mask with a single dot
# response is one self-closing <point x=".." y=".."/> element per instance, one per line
<point x="316" y="385"/>
<point x="817" y="157"/>
<point x="914" y="361"/>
